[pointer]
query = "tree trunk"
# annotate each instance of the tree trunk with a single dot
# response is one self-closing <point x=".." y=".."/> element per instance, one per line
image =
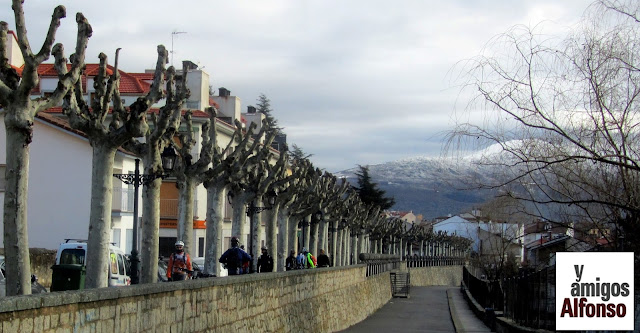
<point x="272" y="235"/>
<point x="306" y="231"/>
<point x="322" y="238"/>
<point x="150" y="225"/>
<point x="332" y="246"/>
<point x="239" y="218"/>
<point x="215" y="201"/>
<point x="353" y="249"/>
<point x="283" y="239"/>
<point x="186" y="188"/>
<point x="313" y="244"/>
<point x="293" y="233"/>
<point x="340" y="248"/>
<point x="360" y="248"/>
<point x="97" y="261"/>
<point x="256" y="232"/>
<point x="16" y="242"/>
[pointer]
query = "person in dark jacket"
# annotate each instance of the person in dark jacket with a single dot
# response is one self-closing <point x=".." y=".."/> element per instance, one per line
<point x="234" y="257"/>
<point x="265" y="262"/>
<point x="323" y="260"/>
<point x="291" y="263"/>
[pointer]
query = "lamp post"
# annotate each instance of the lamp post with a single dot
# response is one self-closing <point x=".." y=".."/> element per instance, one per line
<point x="136" y="179"/>
<point x="252" y="210"/>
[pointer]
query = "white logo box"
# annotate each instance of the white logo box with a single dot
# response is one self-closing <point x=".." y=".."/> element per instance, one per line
<point x="602" y="299"/>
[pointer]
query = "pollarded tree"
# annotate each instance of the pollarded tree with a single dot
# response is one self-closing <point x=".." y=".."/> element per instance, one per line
<point x="160" y="135"/>
<point x="105" y="137"/>
<point x="565" y="112"/>
<point x="369" y="192"/>
<point x="19" y="112"/>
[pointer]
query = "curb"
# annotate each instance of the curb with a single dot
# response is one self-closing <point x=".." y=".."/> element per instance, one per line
<point x="452" y="312"/>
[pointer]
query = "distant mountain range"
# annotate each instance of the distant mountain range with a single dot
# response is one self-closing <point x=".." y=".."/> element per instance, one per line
<point x="430" y="186"/>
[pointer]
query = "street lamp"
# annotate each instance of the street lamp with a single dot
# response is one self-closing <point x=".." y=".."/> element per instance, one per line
<point x="136" y="179"/>
<point x="253" y="209"/>
<point x="271" y="200"/>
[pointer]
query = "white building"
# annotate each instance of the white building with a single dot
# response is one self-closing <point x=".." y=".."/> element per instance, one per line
<point x="61" y="158"/>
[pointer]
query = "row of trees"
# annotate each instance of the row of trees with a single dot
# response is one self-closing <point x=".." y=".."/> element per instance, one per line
<point x="334" y="215"/>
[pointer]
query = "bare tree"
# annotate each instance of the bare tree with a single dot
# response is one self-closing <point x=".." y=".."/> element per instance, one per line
<point x="160" y="135"/>
<point x="20" y="111"/>
<point x="565" y="113"/>
<point x="105" y="138"/>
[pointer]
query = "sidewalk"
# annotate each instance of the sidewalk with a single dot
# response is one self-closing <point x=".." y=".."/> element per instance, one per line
<point x="428" y="309"/>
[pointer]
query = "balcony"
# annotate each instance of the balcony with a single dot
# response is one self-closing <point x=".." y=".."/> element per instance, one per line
<point x="122" y="200"/>
<point x="169" y="209"/>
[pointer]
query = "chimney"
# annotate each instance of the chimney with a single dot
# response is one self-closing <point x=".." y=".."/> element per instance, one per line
<point x="251" y="109"/>
<point x="224" y="92"/>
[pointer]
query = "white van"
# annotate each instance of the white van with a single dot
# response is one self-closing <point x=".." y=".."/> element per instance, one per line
<point x="73" y="253"/>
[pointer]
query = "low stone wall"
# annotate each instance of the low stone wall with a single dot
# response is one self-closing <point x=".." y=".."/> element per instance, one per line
<point x="41" y="262"/>
<point x="435" y="276"/>
<point x="319" y="300"/>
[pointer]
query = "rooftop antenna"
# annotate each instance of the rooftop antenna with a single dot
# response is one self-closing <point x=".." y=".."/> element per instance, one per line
<point x="173" y="33"/>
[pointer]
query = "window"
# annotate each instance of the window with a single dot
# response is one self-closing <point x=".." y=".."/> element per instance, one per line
<point x="72" y="257"/>
<point x="128" y="241"/>
<point x="116" y="237"/>
<point x="114" y="263"/>
<point x="3" y="180"/>
<point x="201" y="247"/>
<point x="120" y="264"/>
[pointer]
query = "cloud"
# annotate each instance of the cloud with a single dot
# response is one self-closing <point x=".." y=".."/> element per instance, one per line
<point x="352" y="82"/>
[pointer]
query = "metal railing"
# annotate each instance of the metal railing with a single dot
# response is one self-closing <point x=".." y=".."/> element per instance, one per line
<point x="169" y="208"/>
<point x="528" y="298"/>
<point x="379" y="263"/>
<point x="426" y="261"/>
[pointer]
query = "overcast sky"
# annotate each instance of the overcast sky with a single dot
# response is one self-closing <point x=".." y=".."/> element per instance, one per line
<point x="352" y="82"/>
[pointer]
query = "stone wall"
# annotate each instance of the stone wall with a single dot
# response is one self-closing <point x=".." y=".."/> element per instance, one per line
<point x="41" y="262"/>
<point x="319" y="300"/>
<point x="435" y="276"/>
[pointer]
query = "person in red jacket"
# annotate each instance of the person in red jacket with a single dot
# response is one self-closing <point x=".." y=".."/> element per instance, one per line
<point x="179" y="267"/>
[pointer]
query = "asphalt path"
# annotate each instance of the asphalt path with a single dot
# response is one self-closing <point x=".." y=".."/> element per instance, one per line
<point x="427" y="309"/>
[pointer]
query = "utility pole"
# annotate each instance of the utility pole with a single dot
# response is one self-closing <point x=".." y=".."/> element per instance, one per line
<point x="173" y="33"/>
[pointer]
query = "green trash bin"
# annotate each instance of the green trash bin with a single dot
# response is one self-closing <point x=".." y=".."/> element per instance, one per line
<point x="67" y="277"/>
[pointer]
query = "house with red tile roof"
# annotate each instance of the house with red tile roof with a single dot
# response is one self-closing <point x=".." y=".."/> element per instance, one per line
<point x="61" y="163"/>
<point x="406" y="216"/>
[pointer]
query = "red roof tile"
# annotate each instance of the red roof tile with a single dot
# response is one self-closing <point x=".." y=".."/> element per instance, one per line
<point x="129" y="84"/>
<point x="195" y="113"/>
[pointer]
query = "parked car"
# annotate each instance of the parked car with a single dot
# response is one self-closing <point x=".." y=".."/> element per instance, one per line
<point x="70" y="268"/>
<point x="36" y="287"/>
<point x="198" y="267"/>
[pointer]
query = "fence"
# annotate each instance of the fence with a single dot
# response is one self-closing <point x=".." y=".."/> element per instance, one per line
<point x="426" y="261"/>
<point x="379" y="263"/>
<point x="528" y="298"/>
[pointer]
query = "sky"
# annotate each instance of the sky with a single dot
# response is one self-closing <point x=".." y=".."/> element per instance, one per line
<point x="358" y="82"/>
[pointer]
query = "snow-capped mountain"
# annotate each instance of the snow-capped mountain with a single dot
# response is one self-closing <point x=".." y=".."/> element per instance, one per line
<point x="432" y="186"/>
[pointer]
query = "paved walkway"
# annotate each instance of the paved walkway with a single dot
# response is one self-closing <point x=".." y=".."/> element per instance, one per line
<point x="428" y="309"/>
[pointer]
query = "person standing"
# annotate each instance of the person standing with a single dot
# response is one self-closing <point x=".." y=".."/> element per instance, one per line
<point x="310" y="260"/>
<point x="323" y="259"/>
<point x="301" y="259"/>
<point x="245" y="265"/>
<point x="234" y="257"/>
<point x="265" y="262"/>
<point x="290" y="263"/>
<point x="179" y="267"/>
